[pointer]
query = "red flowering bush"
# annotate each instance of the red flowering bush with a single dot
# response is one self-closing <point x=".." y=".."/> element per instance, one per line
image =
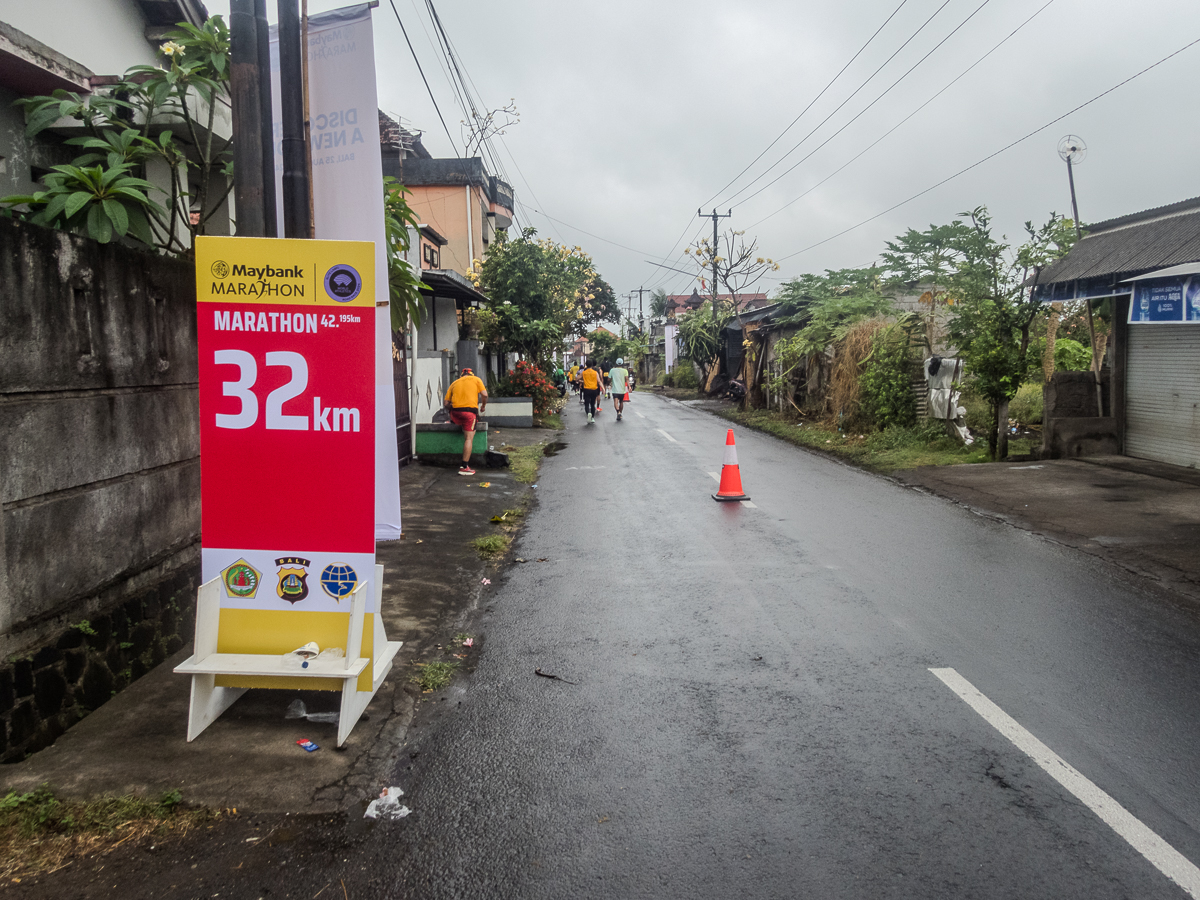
<point x="527" y="380"/>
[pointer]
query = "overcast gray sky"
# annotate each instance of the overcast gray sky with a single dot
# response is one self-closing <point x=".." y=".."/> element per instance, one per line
<point x="635" y="113"/>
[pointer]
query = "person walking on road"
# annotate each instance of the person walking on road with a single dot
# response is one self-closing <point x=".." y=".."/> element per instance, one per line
<point x="591" y="380"/>
<point x="466" y="399"/>
<point x="619" y="378"/>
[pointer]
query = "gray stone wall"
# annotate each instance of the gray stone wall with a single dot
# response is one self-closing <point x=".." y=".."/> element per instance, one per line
<point x="99" y="469"/>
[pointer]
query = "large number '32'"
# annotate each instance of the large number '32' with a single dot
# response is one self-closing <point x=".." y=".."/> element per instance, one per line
<point x="247" y="375"/>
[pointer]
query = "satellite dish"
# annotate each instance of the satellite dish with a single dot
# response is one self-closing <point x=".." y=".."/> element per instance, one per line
<point x="1072" y="149"/>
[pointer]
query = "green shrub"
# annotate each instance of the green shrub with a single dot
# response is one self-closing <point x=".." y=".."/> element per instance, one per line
<point x="885" y="392"/>
<point x="684" y="375"/>
<point x="1071" y="356"/>
<point x="1026" y="407"/>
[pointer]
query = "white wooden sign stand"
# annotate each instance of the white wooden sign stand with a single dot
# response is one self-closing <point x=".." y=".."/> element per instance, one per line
<point x="205" y="664"/>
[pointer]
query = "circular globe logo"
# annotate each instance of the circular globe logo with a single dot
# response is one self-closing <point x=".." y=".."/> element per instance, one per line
<point x="343" y="283"/>
<point x="338" y="580"/>
<point x="220" y="269"/>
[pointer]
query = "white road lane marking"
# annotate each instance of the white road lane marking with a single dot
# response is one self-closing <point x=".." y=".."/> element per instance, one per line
<point x="715" y="476"/>
<point x="1162" y="855"/>
<point x="749" y="504"/>
<point x="667" y="436"/>
<point x="638" y="414"/>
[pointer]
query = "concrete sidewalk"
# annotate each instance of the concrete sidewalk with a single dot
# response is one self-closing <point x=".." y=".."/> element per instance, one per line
<point x="1140" y="515"/>
<point x="248" y="758"/>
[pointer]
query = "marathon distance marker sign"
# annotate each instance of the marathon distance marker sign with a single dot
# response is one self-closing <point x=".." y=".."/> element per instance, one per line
<point x="286" y="333"/>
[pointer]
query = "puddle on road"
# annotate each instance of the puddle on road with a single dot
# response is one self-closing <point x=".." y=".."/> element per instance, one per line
<point x="553" y="448"/>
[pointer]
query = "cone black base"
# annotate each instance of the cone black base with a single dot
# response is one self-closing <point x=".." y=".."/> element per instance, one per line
<point x="727" y="499"/>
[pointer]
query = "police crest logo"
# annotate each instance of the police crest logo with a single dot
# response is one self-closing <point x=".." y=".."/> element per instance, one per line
<point x="293" y="578"/>
<point x="241" y="580"/>
<point x="339" y="579"/>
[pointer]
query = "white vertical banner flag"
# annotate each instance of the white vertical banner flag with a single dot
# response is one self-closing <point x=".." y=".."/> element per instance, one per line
<point x="669" y="345"/>
<point x="347" y="185"/>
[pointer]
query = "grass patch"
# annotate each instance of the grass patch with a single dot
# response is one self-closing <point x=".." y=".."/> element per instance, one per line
<point x="524" y="462"/>
<point x="434" y="676"/>
<point x="40" y="833"/>
<point x="491" y="545"/>
<point x="554" y="420"/>
<point x="882" y="451"/>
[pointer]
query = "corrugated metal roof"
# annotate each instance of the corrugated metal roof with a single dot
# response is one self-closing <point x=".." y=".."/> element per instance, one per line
<point x="1170" y="209"/>
<point x="1165" y="240"/>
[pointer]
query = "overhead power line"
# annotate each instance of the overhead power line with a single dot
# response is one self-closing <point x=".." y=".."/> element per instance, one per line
<point x="836" y="109"/>
<point x="990" y="156"/>
<point x="423" y="78"/>
<point x="810" y="103"/>
<point x="855" y="118"/>
<point x="947" y="87"/>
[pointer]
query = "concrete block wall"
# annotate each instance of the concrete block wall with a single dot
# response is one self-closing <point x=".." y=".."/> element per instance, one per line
<point x="99" y="447"/>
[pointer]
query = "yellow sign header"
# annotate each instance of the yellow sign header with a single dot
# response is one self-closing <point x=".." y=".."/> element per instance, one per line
<point x="285" y="271"/>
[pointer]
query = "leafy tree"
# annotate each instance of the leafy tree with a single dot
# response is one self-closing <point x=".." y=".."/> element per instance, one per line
<point x="658" y="304"/>
<point x="927" y="257"/>
<point x="825" y="306"/>
<point x="1071" y="356"/>
<point x="992" y="320"/>
<point x="101" y="193"/>
<point x="700" y="332"/>
<point x="600" y="303"/>
<point x="603" y="343"/>
<point x="737" y="265"/>
<point x="538" y="294"/>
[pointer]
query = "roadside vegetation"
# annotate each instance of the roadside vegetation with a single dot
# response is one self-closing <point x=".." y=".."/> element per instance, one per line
<point x="490" y="546"/>
<point x="40" y="833"/>
<point x="841" y="356"/>
<point x="525" y="462"/>
<point x="894" y="448"/>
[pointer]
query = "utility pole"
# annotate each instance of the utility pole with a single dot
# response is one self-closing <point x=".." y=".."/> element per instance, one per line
<point x="245" y="102"/>
<point x="1072" y="150"/>
<point x="716" y="217"/>
<point x="267" y="120"/>
<point x="297" y="222"/>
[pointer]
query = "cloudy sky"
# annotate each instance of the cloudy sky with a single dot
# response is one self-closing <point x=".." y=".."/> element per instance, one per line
<point x="636" y="113"/>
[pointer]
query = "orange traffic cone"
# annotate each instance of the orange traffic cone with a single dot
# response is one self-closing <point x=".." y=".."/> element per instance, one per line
<point x="731" y="475"/>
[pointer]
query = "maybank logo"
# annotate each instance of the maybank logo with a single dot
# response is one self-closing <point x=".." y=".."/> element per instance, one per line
<point x="240" y="271"/>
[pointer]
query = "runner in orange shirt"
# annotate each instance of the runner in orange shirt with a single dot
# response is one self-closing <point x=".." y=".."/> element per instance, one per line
<point x="466" y="399"/>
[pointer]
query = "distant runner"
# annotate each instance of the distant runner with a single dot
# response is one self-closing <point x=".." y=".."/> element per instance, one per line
<point x="463" y="403"/>
<point x="619" y="376"/>
<point x="590" y="379"/>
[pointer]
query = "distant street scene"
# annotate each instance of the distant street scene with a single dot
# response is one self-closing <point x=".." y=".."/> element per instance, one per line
<point x="673" y="452"/>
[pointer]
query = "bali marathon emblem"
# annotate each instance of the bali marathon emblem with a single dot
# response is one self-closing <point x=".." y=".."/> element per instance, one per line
<point x="339" y="579"/>
<point x="293" y="578"/>
<point x="241" y="580"/>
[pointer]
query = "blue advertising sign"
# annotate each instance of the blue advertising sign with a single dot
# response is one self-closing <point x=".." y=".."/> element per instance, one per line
<point x="1169" y="300"/>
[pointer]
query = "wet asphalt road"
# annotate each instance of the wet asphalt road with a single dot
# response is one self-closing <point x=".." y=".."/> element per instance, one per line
<point x="755" y="715"/>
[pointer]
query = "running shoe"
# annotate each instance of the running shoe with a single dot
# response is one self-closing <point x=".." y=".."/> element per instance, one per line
<point x="465" y="470"/>
<point x="591" y="419"/>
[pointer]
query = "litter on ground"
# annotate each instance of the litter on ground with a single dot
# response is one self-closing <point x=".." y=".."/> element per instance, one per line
<point x="388" y="806"/>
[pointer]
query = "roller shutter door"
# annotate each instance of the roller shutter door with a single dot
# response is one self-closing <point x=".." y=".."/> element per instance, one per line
<point x="1162" y="394"/>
